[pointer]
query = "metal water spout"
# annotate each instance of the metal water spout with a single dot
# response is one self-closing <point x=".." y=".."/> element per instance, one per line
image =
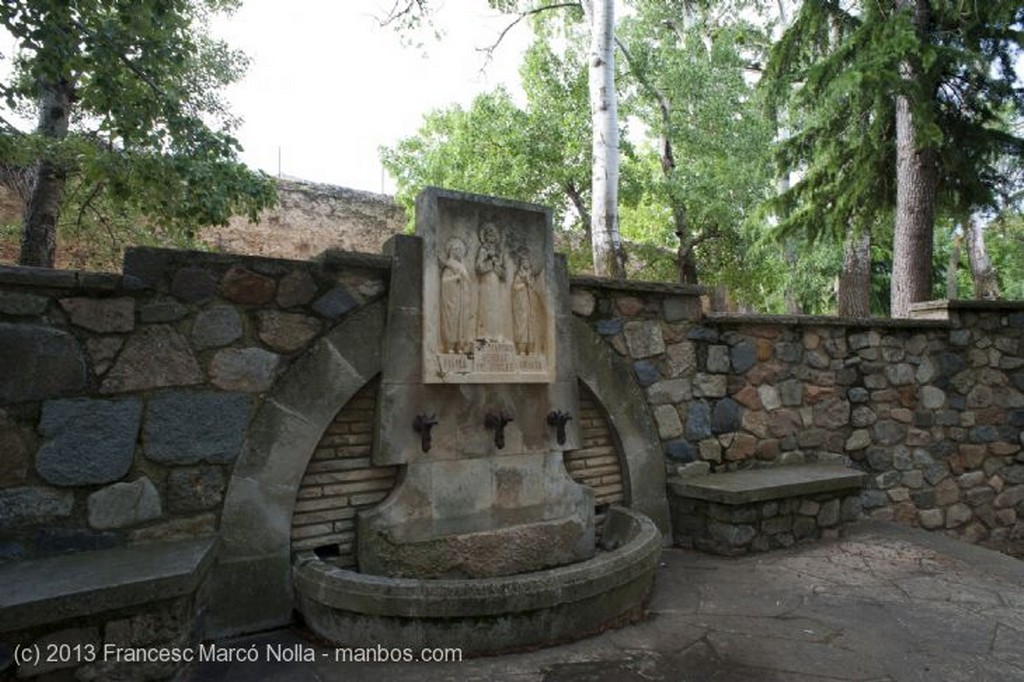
<point x="558" y="419"/>
<point x="497" y="422"/>
<point x="422" y="425"/>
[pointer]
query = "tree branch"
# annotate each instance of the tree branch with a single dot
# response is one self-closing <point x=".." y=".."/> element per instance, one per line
<point x="522" y="15"/>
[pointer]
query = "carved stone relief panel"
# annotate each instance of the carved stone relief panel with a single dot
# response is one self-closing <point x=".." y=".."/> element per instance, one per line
<point x="487" y="292"/>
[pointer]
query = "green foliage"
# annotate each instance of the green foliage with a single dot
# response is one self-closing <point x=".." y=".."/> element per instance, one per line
<point x="834" y="76"/>
<point x="150" y="141"/>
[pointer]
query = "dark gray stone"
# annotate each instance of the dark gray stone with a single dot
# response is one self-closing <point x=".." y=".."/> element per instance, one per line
<point x="880" y="459"/>
<point x="888" y="432"/>
<point x="216" y="326"/>
<point x="789" y="351"/>
<point x="702" y="334"/>
<point x="718" y="359"/>
<point x="296" y="288"/>
<point x="646" y="373"/>
<point x="609" y="327"/>
<point x="725" y="417"/>
<point x="196" y="489"/>
<point x="335" y="303"/>
<point x="858" y="394"/>
<point x="698" y="420"/>
<point x="792" y="392"/>
<point x="87" y="441"/>
<point x="1013" y="474"/>
<point x="163" y="311"/>
<point x="30" y="506"/>
<point x="37" y="363"/>
<point x="731" y="534"/>
<point x="10" y="551"/>
<point x="12" y="303"/>
<point x="681" y="451"/>
<point x="184" y="427"/>
<point x="59" y="540"/>
<point x="871" y="499"/>
<point x="952" y="363"/>
<point x="743" y="355"/>
<point x="193" y="285"/>
<point x="984" y="434"/>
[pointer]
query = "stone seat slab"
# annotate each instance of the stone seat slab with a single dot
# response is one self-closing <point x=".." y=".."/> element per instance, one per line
<point x="769" y="483"/>
<point x="41" y="591"/>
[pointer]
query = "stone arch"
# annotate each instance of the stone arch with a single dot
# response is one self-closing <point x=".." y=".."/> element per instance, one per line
<point x="251" y="583"/>
<point x="610" y="380"/>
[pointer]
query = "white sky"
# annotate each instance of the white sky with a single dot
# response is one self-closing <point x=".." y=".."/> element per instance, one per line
<point x="327" y="85"/>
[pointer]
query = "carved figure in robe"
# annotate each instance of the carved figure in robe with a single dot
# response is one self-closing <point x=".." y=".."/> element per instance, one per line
<point x="523" y="286"/>
<point x="456" y="336"/>
<point x="492" y="311"/>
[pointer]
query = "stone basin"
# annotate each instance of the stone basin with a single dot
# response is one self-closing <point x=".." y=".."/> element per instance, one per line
<point x="486" y="615"/>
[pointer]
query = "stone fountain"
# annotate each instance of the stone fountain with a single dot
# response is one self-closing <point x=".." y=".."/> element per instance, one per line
<point x="486" y="542"/>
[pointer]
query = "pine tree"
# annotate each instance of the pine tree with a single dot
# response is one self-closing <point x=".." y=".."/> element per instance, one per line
<point x="896" y="109"/>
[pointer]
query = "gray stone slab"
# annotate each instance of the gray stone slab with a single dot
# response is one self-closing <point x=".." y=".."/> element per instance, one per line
<point x="755" y="485"/>
<point x="93" y="582"/>
<point x="37" y="362"/>
<point x="185" y="427"/>
<point x="87" y="441"/>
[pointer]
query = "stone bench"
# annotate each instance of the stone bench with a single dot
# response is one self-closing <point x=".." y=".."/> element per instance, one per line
<point x="756" y="510"/>
<point x="127" y="597"/>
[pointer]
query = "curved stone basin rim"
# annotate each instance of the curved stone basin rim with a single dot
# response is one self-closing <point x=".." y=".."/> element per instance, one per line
<point x="639" y="546"/>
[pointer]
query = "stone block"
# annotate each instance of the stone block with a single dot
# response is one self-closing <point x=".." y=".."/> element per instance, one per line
<point x="162" y="311"/>
<point x="104" y="315"/>
<point x="667" y="419"/>
<point x="296" y="288"/>
<point x="244" y="369"/>
<point x="87" y="441"/>
<point x="682" y="358"/>
<point x="732" y="535"/>
<point x="184" y="427"/>
<point x="829" y="514"/>
<point x="646" y="373"/>
<point x="216" y="326"/>
<point x="669" y="391"/>
<point x="710" y="385"/>
<point x="124" y="504"/>
<point x="153" y="357"/>
<point x="743" y="356"/>
<point x="769" y="396"/>
<point x="643" y="339"/>
<point x="29" y="506"/>
<point x="725" y="417"/>
<point x="286" y="332"/>
<point x="195" y="489"/>
<point x="241" y="285"/>
<point x="718" y="359"/>
<point x="681" y="451"/>
<point x="64" y="540"/>
<point x="335" y="303"/>
<point x="193" y="285"/>
<point x="38" y="363"/>
<point x="17" y="304"/>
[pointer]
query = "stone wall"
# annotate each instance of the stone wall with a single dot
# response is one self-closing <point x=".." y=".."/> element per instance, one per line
<point x="932" y="409"/>
<point x="157" y="374"/>
<point x="125" y="400"/>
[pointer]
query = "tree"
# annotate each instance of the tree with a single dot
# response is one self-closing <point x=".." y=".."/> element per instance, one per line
<point x="599" y="15"/>
<point x="686" y="80"/>
<point x="127" y="96"/>
<point x="899" y="106"/>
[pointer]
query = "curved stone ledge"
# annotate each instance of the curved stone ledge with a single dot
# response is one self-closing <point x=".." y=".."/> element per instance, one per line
<point x="486" y="615"/>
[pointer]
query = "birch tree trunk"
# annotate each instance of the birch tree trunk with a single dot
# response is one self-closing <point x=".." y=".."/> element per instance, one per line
<point x="855" y="279"/>
<point x="39" y="230"/>
<point x="982" y="274"/>
<point x="916" y="185"/>
<point x="606" y="242"/>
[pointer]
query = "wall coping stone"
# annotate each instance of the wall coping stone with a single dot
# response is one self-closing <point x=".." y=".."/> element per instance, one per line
<point x="25" y="275"/>
<point x="86" y="583"/>
<point x="826" y="321"/>
<point x="769" y="483"/>
<point x="967" y="304"/>
<point x="664" y="288"/>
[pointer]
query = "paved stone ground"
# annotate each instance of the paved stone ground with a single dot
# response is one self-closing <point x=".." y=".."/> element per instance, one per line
<point x="884" y="603"/>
